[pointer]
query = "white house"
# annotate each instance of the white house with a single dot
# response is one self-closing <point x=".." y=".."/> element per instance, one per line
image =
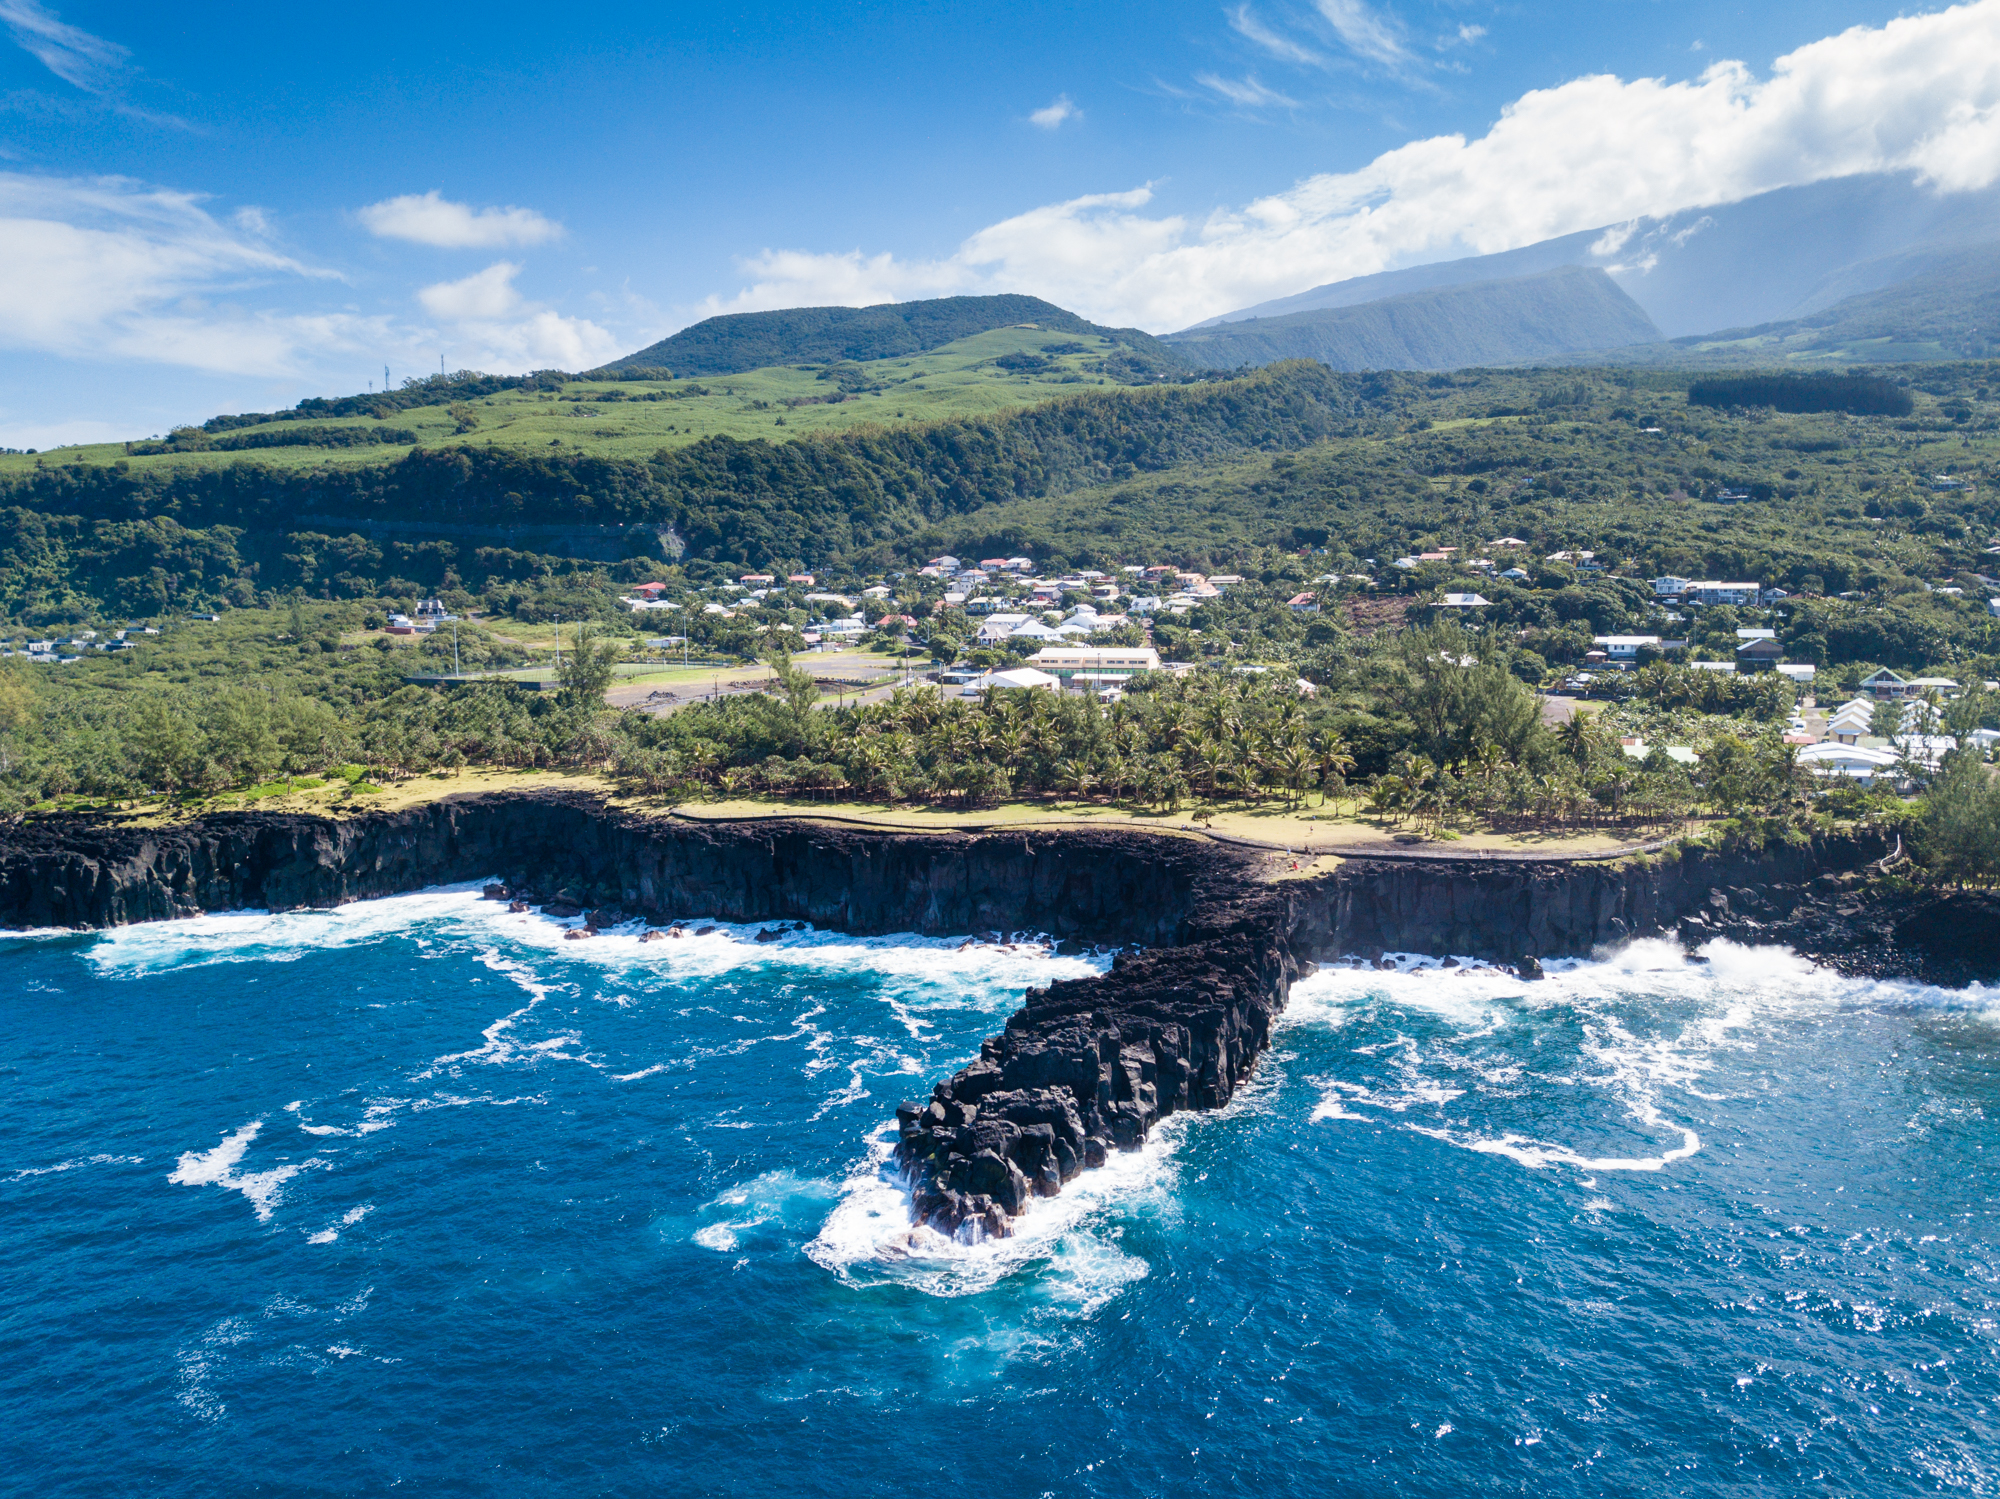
<point x="1033" y="629"/>
<point x="997" y="627"/>
<point x="1723" y="593"/>
<point x="1851" y="760"/>
<point x="1021" y="676"/>
<point x="1670" y="587"/>
<point x="1463" y="601"/>
<point x="1621" y="649"/>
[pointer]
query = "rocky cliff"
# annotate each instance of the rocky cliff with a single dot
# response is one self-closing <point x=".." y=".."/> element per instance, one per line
<point x="1085" y="1066"/>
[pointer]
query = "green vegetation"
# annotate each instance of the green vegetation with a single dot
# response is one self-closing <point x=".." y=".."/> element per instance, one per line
<point x="1858" y="395"/>
<point x="132" y="539"/>
<point x="635" y="416"/>
<point x="1947" y="311"/>
<point x="1957" y="832"/>
<point x="1427" y="728"/>
<point x="1516" y="321"/>
<point x="1375" y="494"/>
<point x="738" y="342"/>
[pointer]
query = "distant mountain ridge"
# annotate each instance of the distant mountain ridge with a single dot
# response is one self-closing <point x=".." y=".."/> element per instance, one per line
<point x="1559" y="311"/>
<point x="1778" y="255"/>
<point x="1945" y="306"/>
<point x="737" y="342"/>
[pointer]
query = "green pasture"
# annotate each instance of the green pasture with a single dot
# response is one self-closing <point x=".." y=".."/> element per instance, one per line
<point x="635" y="419"/>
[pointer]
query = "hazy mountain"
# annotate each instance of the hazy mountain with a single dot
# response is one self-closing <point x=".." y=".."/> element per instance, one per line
<point x="1523" y="319"/>
<point x="1776" y="256"/>
<point x="740" y="341"/>
<point x="1945" y="304"/>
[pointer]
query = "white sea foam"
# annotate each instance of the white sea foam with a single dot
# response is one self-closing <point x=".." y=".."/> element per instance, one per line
<point x="347" y="1220"/>
<point x="774" y="1197"/>
<point x="217" y="1168"/>
<point x="78" y="1163"/>
<point x="868" y="1238"/>
<point x="1648" y="1027"/>
<point x="268" y="936"/>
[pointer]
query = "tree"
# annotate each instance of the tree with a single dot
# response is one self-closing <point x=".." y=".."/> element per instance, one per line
<point x="1957" y="836"/>
<point x="585" y="674"/>
<point x="1454" y="699"/>
<point x="17" y="712"/>
<point x="166" y="750"/>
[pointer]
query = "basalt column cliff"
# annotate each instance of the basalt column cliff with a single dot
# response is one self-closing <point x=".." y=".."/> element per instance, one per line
<point x="1211" y="937"/>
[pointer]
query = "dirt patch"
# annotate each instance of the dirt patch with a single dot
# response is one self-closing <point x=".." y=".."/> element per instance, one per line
<point x="1367" y="615"/>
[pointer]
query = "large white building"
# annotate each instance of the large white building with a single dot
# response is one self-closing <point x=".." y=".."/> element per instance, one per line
<point x="1096" y="666"/>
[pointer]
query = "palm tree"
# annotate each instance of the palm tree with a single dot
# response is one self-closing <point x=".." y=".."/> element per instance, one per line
<point x="1332" y="762"/>
<point x="1212" y="755"/>
<point x="1574" y="737"/>
<point x="1074" y="777"/>
<point x="1295" y="765"/>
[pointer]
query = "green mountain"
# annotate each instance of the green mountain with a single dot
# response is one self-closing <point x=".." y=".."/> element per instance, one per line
<point x="1949" y="309"/>
<point x="1517" y="321"/>
<point x="741" y="341"/>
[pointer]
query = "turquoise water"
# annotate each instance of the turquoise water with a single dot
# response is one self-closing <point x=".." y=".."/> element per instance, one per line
<point x="417" y="1196"/>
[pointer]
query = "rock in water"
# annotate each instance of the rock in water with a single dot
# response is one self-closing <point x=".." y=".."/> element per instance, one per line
<point x="1529" y="967"/>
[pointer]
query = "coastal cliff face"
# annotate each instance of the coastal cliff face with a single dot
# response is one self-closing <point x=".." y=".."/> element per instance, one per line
<point x="1086" y="1066"/>
<point x="1096" y="887"/>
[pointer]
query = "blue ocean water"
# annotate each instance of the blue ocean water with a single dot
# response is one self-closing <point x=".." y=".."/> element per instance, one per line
<point x="416" y="1195"/>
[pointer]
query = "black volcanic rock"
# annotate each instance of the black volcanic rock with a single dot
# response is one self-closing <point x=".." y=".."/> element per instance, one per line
<point x="1086" y="1066"/>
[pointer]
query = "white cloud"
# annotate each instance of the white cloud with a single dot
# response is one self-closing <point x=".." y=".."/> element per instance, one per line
<point x="110" y="268"/>
<point x="1365" y="33"/>
<point x="493" y="327"/>
<point x="432" y="219"/>
<point x="484" y="294"/>
<point x="73" y="55"/>
<point x="1245" y="23"/>
<point x="1920" y="93"/>
<point x="1049" y="116"/>
<point x="1247" y="91"/>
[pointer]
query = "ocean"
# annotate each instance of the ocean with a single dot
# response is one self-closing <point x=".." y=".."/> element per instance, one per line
<point x="417" y="1196"/>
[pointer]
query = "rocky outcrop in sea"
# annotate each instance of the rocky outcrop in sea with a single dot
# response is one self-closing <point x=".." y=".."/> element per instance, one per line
<point x="1210" y="938"/>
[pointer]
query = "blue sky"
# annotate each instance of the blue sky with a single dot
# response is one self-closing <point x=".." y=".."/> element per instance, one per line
<point x="221" y="207"/>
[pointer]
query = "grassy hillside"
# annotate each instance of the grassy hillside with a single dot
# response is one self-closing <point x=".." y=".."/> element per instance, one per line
<point x="1518" y="321"/>
<point x="984" y="375"/>
<point x="742" y="341"/>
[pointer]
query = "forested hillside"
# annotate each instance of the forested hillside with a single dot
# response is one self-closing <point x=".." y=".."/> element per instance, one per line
<point x="150" y="540"/>
<point x="1295" y="456"/>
